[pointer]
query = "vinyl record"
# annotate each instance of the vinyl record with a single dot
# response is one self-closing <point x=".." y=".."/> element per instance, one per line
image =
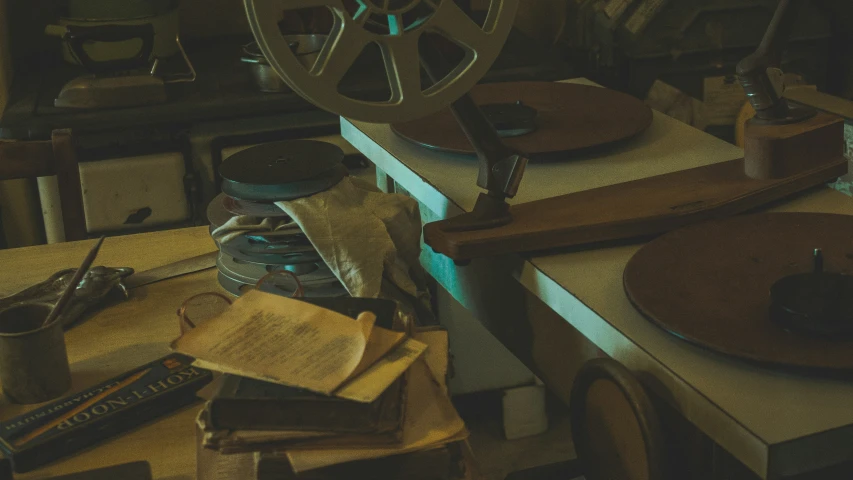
<point x="710" y="284"/>
<point x="266" y="192"/>
<point x="252" y="209"/>
<point x="569" y="118"/>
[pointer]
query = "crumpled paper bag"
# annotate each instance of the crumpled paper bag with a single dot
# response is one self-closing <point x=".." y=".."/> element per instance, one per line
<point x="365" y="236"/>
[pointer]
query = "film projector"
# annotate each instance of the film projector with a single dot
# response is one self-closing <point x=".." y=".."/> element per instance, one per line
<point x="768" y="288"/>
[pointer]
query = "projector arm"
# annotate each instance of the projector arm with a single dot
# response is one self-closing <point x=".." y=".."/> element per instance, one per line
<point x="501" y="167"/>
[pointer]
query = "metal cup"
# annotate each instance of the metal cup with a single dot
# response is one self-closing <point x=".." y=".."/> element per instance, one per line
<point x="33" y="360"/>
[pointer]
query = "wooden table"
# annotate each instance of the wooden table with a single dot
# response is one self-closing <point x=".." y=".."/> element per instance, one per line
<point x="774" y="423"/>
<point x="121" y="337"/>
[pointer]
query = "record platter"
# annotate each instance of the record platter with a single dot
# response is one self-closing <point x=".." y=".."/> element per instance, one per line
<point x="541" y="119"/>
<point x="716" y="285"/>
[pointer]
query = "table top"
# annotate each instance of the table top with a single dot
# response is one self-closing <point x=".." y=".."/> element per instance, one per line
<point x="764" y="418"/>
<point x="121" y="337"/>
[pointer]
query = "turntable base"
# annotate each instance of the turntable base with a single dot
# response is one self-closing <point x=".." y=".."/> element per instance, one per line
<point x="710" y="285"/>
<point x="775" y="424"/>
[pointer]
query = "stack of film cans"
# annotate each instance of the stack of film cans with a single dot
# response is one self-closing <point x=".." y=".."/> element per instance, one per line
<point x="252" y="181"/>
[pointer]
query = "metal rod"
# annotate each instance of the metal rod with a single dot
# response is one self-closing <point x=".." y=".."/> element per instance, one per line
<point x="501" y="167"/>
<point x="779" y="30"/>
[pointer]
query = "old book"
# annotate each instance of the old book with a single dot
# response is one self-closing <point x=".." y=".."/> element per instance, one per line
<point x="243" y="403"/>
<point x="431" y="421"/>
<point x="443" y="463"/>
<point x="248" y="404"/>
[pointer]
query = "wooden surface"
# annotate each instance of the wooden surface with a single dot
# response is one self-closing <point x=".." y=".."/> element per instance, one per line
<point x="720" y="299"/>
<point x="70" y="189"/>
<point x="121" y="337"/>
<point x="776" y="151"/>
<point x="643" y="207"/>
<point x="736" y="404"/>
<point x="26" y="159"/>
<point x="594" y="116"/>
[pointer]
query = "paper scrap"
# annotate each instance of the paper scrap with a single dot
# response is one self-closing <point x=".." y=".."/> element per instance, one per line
<point x="368" y="386"/>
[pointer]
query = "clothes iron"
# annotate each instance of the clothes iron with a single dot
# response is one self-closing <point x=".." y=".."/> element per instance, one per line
<point x="116" y="83"/>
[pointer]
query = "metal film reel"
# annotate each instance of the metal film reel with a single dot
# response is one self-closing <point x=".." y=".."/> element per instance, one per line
<point x="406" y="21"/>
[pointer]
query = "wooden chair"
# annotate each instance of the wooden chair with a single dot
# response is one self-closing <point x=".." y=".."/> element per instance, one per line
<point x="615" y="429"/>
<point x="57" y="156"/>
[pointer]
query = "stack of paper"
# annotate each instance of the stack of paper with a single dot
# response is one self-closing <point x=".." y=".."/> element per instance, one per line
<point x="333" y="364"/>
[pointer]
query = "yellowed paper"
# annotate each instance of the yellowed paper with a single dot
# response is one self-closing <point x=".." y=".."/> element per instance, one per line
<point x="278" y="339"/>
<point x="437" y="356"/>
<point x="368" y="386"/>
<point x="379" y="343"/>
<point x="431" y="421"/>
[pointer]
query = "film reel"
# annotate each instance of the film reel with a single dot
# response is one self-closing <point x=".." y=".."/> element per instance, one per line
<point x="402" y="23"/>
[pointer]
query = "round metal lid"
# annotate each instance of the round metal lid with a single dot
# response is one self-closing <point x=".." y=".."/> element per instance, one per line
<point x="281" y="162"/>
<point x="285" y="191"/>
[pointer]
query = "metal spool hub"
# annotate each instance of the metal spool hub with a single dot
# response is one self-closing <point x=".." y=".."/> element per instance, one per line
<point x="396" y="27"/>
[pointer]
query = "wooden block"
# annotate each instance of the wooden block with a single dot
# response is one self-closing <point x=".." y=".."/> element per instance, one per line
<point x="779" y="151"/>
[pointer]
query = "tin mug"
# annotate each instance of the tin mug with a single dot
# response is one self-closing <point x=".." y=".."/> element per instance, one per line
<point x="33" y="360"/>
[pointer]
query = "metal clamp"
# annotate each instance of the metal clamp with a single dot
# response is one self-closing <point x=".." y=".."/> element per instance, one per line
<point x="753" y="71"/>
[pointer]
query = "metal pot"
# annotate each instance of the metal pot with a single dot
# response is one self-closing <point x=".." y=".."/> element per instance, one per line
<point x="305" y="47"/>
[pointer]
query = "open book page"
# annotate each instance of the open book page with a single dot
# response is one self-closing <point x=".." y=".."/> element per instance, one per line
<point x="278" y="339"/>
<point x="431" y="420"/>
<point x="368" y="386"/>
<point x="379" y="343"/>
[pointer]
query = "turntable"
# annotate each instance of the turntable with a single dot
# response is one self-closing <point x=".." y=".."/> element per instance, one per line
<point x="579" y="220"/>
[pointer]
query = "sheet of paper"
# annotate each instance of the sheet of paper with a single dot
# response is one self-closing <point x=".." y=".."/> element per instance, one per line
<point x="368" y="386"/>
<point x="437" y="356"/>
<point x="431" y="420"/>
<point x="278" y="339"/>
<point x="379" y="343"/>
